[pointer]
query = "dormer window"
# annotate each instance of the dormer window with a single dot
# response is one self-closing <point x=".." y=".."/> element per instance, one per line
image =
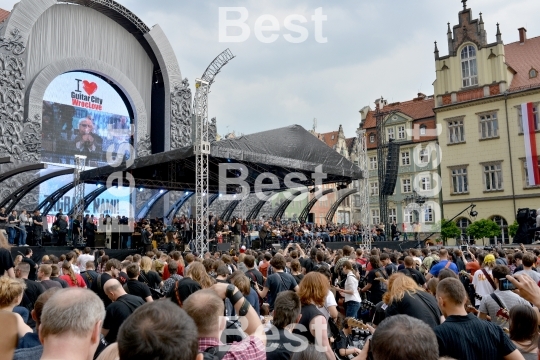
<point x="371" y="138"/>
<point x="469" y="72"/>
<point x="533" y="73"/>
<point x="423" y="130"/>
<point x="332" y="137"/>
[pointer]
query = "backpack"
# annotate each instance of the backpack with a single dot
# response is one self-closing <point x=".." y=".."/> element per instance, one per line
<point x="212" y="353"/>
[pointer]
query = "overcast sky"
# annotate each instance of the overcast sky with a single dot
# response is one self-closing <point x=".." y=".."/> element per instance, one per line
<point x="373" y="48"/>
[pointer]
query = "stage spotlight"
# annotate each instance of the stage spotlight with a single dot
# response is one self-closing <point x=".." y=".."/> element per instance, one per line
<point x="99" y="185"/>
<point x="140" y="189"/>
<point x="220" y="195"/>
<point x="473" y="213"/>
<point x="161" y="191"/>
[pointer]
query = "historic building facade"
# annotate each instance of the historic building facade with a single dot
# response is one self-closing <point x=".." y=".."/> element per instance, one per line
<point x="412" y="125"/>
<point x="479" y="90"/>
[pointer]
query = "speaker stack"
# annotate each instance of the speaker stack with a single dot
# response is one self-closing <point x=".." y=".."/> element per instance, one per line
<point x="392" y="167"/>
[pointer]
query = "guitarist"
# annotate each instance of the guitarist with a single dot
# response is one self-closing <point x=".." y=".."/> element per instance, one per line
<point x="483" y="282"/>
<point x="498" y="304"/>
<point x="344" y="346"/>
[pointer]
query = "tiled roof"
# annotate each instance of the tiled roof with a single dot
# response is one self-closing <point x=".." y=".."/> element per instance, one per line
<point x="350" y="143"/>
<point x="328" y="140"/>
<point x="3" y="14"/>
<point x="416" y="109"/>
<point x="523" y="57"/>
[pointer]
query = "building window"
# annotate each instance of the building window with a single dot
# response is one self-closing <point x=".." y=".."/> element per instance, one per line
<point x="406" y="185"/>
<point x="428" y="214"/>
<point x="526" y="174"/>
<point x="407" y="216"/>
<point x="392" y="215"/>
<point x="425" y="183"/>
<point x="375" y="216"/>
<point x="533" y="73"/>
<point x="401" y="132"/>
<point x="373" y="163"/>
<point x="460" y="183"/>
<point x="424" y="158"/>
<point x="493" y="180"/>
<point x="463" y="224"/>
<point x="357" y="201"/>
<point x="456" y="132"/>
<point x="469" y="73"/>
<point x="489" y="127"/>
<point x="374" y="186"/>
<point x="423" y="130"/>
<point x="405" y="158"/>
<point x="503" y="224"/>
<point x="371" y="138"/>
<point x="391" y="135"/>
<point x="535" y="116"/>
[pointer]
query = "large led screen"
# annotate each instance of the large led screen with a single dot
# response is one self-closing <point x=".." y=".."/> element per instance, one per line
<point x="83" y="114"/>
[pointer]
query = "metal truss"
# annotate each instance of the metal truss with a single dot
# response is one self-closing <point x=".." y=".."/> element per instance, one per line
<point x="171" y="213"/>
<point x="150" y="204"/>
<point x="363" y="190"/>
<point x="342" y="194"/>
<point x="89" y="198"/>
<point x="285" y="204"/>
<point x="202" y="148"/>
<point x="305" y="212"/>
<point x="78" y="193"/>
<point x="46" y="205"/>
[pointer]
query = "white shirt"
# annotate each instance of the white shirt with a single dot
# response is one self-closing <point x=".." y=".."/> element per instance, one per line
<point x="83" y="259"/>
<point x="330" y="301"/>
<point x="76" y="269"/>
<point x="352" y="284"/>
<point x="481" y="284"/>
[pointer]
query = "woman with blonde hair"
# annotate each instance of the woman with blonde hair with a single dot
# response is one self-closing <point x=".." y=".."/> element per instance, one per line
<point x="312" y="291"/>
<point x="405" y="297"/>
<point x="11" y="294"/>
<point x="196" y="271"/>
<point x="73" y="280"/>
<point x="148" y="276"/>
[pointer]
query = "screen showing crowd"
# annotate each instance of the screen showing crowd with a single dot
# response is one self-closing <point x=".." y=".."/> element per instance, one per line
<point x="83" y="114"/>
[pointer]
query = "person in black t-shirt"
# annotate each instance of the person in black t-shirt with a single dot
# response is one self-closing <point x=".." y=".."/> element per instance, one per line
<point x="28" y="253"/>
<point x="6" y="261"/>
<point x="37" y="220"/>
<point x="278" y="281"/>
<point x="464" y="336"/>
<point x="182" y="290"/>
<point x="134" y="286"/>
<point x="374" y="279"/>
<point x="112" y="270"/>
<point x="32" y="292"/>
<point x="122" y="306"/>
<point x="389" y="266"/>
<point x="410" y="271"/>
<point x="280" y="341"/>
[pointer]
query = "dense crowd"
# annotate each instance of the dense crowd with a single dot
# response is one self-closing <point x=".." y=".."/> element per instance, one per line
<point x="294" y="303"/>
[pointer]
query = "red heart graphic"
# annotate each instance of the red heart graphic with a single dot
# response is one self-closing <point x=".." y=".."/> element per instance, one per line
<point x="89" y="87"/>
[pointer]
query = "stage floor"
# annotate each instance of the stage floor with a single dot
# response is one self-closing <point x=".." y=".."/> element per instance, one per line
<point x="39" y="252"/>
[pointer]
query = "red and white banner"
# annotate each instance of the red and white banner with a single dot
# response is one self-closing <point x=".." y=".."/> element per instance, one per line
<point x="529" y="136"/>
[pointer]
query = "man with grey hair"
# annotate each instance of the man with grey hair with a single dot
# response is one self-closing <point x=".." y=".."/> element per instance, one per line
<point x="116" y="313"/>
<point x="87" y="142"/>
<point x="70" y="325"/>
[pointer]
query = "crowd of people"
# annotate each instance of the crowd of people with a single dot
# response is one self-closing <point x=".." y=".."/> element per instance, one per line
<point x="298" y="302"/>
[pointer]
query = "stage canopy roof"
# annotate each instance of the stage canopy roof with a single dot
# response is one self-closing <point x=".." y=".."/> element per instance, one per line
<point x="280" y="152"/>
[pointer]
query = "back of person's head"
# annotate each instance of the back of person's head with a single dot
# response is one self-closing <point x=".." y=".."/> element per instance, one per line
<point x="41" y="301"/>
<point x="309" y="353"/>
<point x="146" y="263"/>
<point x="205" y="308"/>
<point x="347" y="250"/>
<point x="70" y="256"/>
<point x="267" y="256"/>
<point x="325" y="270"/>
<point x="384" y="256"/>
<point x="113" y="263"/>
<point x="432" y="285"/>
<point x="359" y="252"/>
<point x="24" y="268"/>
<point x="313" y="288"/>
<point x="133" y="270"/>
<point x="452" y="290"/>
<point x="375" y="261"/>
<point x="241" y="281"/>
<point x="347" y="265"/>
<point x="529" y="259"/>
<point x="173" y="267"/>
<point x="55" y="270"/>
<point x="87" y="250"/>
<point x="45" y="269"/>
<point x="402" y="337"/>
<point x="408" y="261"/>
<point x="524" y="326"/>
<point x="190" y="258"/>
<point x="286" y="309"/>
<point x="10" y="290"/>
<point x="27" y="251"/>
<point x="223" y="270"/>
<point x="90" y="265"/>
<point x="447" y="273"/>
<point x="295" y="265"/>
<point x="443" y="253"/>
<point x="73" y="312"/>
<point x="158" y="330"/>
<point x="137" y="258"/>
<point x="278" y="262"/>
<point x="500" y="272"/>
<point x="249" y="260"/>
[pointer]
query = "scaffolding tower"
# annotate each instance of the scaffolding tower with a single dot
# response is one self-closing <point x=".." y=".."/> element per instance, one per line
<point x="363" y="190"/>
<point x="78" y="195"/>
<point x="202" y="148"/>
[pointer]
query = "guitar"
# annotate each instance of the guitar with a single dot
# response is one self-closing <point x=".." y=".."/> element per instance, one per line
<point x="357" y="324"/>
<point x="367" y="305"/>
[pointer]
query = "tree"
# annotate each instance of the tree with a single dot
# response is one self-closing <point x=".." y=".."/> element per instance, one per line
<point x="512" y="229"/>
<point x="448" y="229"/>
<point x="483" y="228"/>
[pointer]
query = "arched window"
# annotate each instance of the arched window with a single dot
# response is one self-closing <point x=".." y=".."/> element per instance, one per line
<point x="469" y="73"/>
<point x="503" y="224"/>
<point x="533" y="73"/>
<point x="463" y="224"/>
<point x="423" y="130"/>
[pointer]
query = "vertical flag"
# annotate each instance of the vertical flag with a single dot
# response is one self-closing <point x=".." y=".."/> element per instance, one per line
<point x="529" y="136"/>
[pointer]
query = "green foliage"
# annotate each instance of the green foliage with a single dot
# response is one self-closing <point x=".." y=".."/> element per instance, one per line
<point x="483" y="228"/>
<point x="512" y="229"/>
<point x="448" y="229"/>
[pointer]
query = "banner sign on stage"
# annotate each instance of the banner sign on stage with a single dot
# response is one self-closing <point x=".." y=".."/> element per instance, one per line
<point x="529" y="137"/>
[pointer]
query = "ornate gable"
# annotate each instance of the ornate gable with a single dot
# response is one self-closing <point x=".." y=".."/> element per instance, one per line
<point x="466" y="30"/>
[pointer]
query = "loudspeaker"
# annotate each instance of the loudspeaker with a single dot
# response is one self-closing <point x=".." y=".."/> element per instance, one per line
<point x="392" y="167"/>
<point x="522" y="215"/>
<point x="115" y="240"/>
<point x="256" y="244"/>
<point x="276" y="246"/>
<point x="311" y="218"/>
<point x="136" y="241"/>
<point x="224" y="247"/>
<point x="339" y="245"/>
<point x="99" y="240"/>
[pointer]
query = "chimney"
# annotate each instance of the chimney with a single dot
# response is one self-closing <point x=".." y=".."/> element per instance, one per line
<point x="522" y="35"/>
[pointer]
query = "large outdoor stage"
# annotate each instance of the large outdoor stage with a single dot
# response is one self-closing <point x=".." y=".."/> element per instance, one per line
<point x="40" y="251"/>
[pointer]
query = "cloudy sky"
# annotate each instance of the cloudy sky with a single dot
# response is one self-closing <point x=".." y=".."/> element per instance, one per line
<point x="373" y="48"/>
